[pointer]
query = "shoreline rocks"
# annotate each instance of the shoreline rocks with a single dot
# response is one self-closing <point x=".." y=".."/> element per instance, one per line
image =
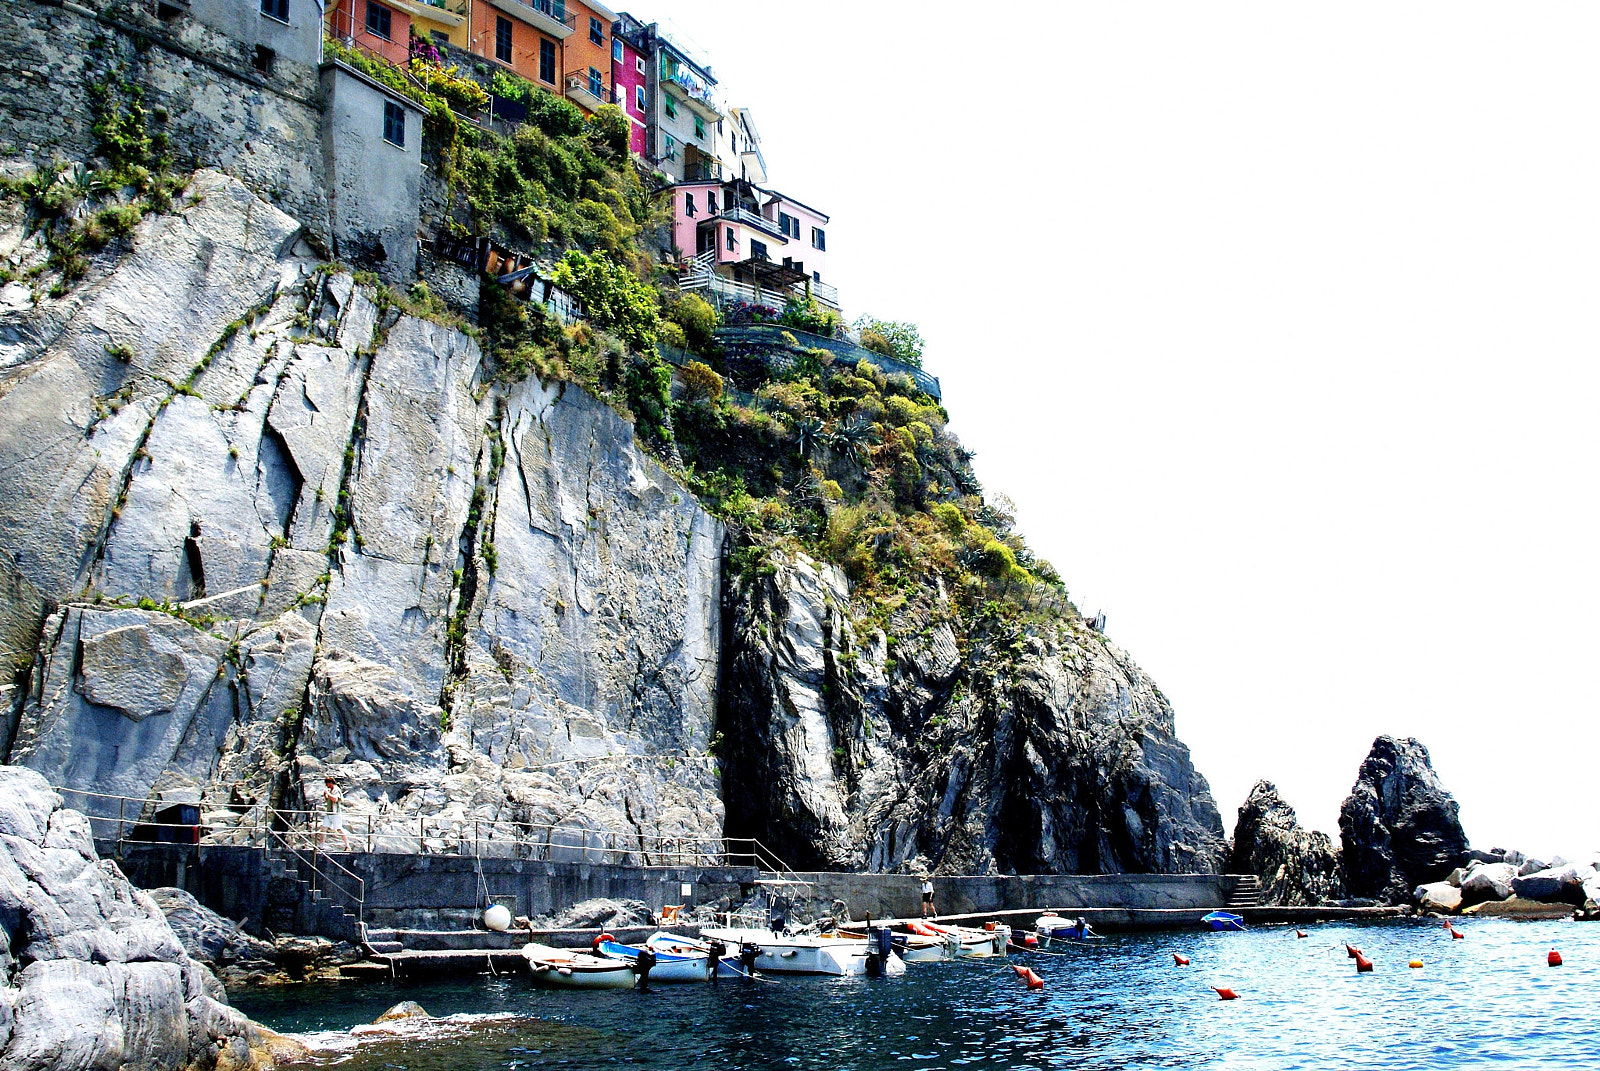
<point x="93" y="974"/>
<point x="1296" y="866"/>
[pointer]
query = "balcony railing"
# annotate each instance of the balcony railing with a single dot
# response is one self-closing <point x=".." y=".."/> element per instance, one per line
<point x="580" y="85"/>
<point x="553" y="12"/>
<point x="703" y="170"/>
<point x="740" y="214"/>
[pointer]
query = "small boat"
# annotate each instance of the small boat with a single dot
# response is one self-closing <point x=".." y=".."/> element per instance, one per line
<point x="992" y="940"/>
<point x="808" y="953"/>
<point x="683" y="964"/>
<point x="665" y="944"/>
<point x="1060" y="928"/>
<point x="568" y="969"/>
<point x="1223" y="921"/>
<point x="918" y="947"/>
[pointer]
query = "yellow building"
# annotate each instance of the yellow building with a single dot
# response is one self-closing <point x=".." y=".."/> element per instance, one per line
<point x="436" y="20"/>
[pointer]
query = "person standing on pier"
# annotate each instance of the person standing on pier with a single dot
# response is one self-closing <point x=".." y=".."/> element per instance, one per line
<point x="927" y="897"/>
<point x="333" y="815"/>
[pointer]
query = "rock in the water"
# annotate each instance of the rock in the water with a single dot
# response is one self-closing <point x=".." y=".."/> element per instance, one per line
<point x="95" y="978"/>
<point x="1530" y="865"/>
<point x="1296" y="866"/>
<point x="1440" y="896"/>
<point x="1518" y="908"/>
<point x="1398" y="828"/>
<point x="206" y="935"/>
<point x="406" y="1009"/>
<point x="1488" y="881"/>
<point x="1562" y="884"/>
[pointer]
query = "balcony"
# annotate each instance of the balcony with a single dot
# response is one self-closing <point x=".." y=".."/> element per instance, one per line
<point x="451" y="13"/>
<point x="697" y="94"/>
<point x="740" y="214"/>
<point x="705" y="169"/>
<point x="546" y="16"/>
<point x="585" y="93"/>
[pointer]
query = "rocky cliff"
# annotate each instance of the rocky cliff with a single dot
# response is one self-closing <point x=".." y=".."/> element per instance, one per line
<point x="261" y="525"/>
<point x="1398" y="828"/>
<point x="1297" y="866"/>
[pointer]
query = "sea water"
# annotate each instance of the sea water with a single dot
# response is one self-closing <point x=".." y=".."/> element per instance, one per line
<point x="1488" y="1000"/>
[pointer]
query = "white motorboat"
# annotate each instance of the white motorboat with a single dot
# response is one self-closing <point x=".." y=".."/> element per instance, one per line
<point x="1061" y="928"/>
<point x="570" y="969"/>
<point x="665" y="944"/>
<point x="808" y="953"/>
<point x="918" y="947"/>
<point x="992" y="940"/>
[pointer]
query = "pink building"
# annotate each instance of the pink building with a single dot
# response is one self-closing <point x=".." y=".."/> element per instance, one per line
<point x="753" y="237"/>
<point x="629" y="76"/>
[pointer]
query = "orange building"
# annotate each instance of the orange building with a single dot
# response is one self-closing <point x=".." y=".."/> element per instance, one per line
<point x="587" y="56"/>
<point x="526" y="37"/>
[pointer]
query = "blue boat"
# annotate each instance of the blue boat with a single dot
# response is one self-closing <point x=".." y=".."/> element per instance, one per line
<point x="1221" y="920"/>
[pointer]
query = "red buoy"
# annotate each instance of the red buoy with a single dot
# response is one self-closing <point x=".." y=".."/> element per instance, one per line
<point x="1352" y="951"/>
<point x="1301" y="933"/>
<point x="595" y="944"/>
<point x="1554" y="958"/>
<point x="1030" y="940"/>
<point x="1363" y="964"/>
<point x="1226" y="994"/>
<point x="1455" y="934"/>
<point x="1181" y="961"/>
<point x="1027" y="975"/>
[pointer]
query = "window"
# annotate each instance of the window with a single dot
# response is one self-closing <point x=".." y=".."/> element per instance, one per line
<point x="547" y="60"/>
<point x="688" y="204"/>
<point x="733" y="242"/>
<point x="670" y="105"/>
<point x="758" y="250"/>
<point x="616" y="51"/>
<point x="502" y="39"/>
<point x="394" y="124"/>
<point x="819" y="240"/>
<point x="596" y="86"/>
<point x="276" y="9"/>
<point x="638" y="64"/>
<point x="711" y="202"/>
<point x="789" y="225"/>
<point x="816" y="276"/>
<point x="638" y="98"/>
<point x="699" y="126"/>
<point x="262" y="60"/>
<point x="378" y="20"/>
<point x="672" y="148"/>
<point x="597" y="32"/>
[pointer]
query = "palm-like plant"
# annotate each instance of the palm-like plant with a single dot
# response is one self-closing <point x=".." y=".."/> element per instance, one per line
<point x="808" y="435"/>
<point x="854" y="437"/>
<point x="82" y="184"/>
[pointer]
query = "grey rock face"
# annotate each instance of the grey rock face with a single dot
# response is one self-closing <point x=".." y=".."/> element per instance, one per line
<point x="1296" y="866"/>
<point x="1488" y="881"/>
<point x="205" y="935"/>
<point x="94" y="977"/>
<point x="1399" y="827"/>
<point x="1041" y="754"/>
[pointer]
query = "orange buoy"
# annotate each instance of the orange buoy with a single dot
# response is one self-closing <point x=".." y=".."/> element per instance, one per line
<point x="1181" y="961"/>
<point x="1363" y="964"/>
<point x="1455" y="934"/>
<point x="1301" y="933"/>
<point x="1554" y="958"/>
<point x="1225" y="994"/>
<point x="1352" y="951"/>
<point x="595" y="944"/>
<point x="1416" y="963"/>
<point x="1027" y="975"/>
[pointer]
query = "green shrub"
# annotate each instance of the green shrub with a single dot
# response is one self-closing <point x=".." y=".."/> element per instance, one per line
<point x="699" y="380"/>
<point x="892" y="338"/>
<point x="611" y="127"/>
<point x="950" y="518"/>
<point x="612" y="297"/>
<point x="698" y="319"/>
<point x="672" y="336"/>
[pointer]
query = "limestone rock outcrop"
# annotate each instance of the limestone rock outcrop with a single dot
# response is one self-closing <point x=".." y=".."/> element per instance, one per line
<point x="1398" y="828"/>
<point x="1296" y="866"/>
<point x="206" y="936"/>
<point x="92" y="975"/>
<point x="1043" y="753"/>
<point x="259" y="527"/>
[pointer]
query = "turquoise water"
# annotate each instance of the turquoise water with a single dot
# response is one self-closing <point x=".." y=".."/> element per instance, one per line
<point x="1487" y="1001"/>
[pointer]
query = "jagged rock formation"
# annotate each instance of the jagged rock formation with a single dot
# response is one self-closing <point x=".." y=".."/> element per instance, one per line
<point x="262" y="527"/>
<point x="450" y="595"/>
<point x="1398" y="828"/>
<point x="1296" y="866"/>
<point x="1056" y="754"/>
<point x="93" y="977"/>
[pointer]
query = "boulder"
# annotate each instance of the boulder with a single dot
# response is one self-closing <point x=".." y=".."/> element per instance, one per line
<point x="1531" y="865"/>
<point x="1296" y="866"/>
<point x="601" y="911"/>
<point x="1478" y="855"/>
<point x="1518" y="908"/>
<point x="1551" y="885"/>
<point x="406" y="1009"/>
<point x="206" y="935"/>
<point x="1591" y="891"/>
<point x="1398" y="828"/>
<point x="1488" y="881"/>
<point x="92" y="975"/>
<point x="1514" y="857"/>
<point x="1440" y="896"/>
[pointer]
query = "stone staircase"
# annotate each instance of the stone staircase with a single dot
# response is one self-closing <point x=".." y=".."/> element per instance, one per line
<point x="1246" y="894"/>
<point x="297" y="905"/>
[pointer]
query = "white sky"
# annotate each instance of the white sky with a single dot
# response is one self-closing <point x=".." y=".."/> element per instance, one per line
<point x="1278" y="324"/>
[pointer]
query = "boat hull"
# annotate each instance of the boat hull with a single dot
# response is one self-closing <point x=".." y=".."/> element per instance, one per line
<point x="564" y="969"/>
<point x="689" y="966"/>
<point x="840" y="957"/>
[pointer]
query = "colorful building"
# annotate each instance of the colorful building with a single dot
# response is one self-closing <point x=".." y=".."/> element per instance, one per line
<point x="683" y="111"/>
<point x="385" y="27"/>
<point x="629" y="80"/>
<point x="587" y="56"/>
<point x="524" y="37"/>
<point x="766" y="244"/>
